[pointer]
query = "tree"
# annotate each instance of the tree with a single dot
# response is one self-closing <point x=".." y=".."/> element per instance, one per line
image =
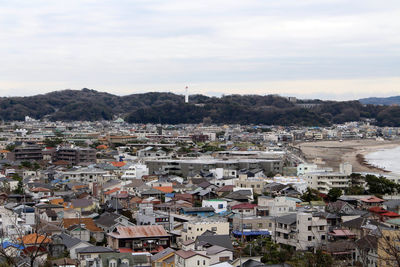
<point x="334" y="194"/>
<point x="273" y="255"/>
<point x="311" y="195"/>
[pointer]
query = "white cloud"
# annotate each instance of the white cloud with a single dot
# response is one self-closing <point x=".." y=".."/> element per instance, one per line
<point x="138" y="45"/>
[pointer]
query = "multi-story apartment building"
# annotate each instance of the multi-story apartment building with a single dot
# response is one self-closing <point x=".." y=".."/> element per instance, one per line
<point x="324" y="181"/>
<point x="257" y="184"/>
<point x="303" y="230"/>
<point x="26" y="153"/>
<point x="76" y="155"/>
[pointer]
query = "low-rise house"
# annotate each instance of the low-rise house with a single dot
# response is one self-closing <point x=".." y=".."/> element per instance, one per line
<point x="64" y="242"/>
<point x="150" y="238"/>
<point x="245" y="209"/>
<point x="88" y="255"/>
<point x="219" y="206"/>
<point x="164" y="258"/>
<point x="123" y="259"/>
<point x="191" y="258"/>
<point x="193" y="229"/>
<point x="109" y="221"/>
<point x="83" y="228"/>
<point x="198" y="211"/>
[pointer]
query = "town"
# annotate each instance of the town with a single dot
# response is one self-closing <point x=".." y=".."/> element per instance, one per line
<point x="110" y="193"/>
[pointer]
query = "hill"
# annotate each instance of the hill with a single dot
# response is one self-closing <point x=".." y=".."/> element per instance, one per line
<point x="392" y="100"/>
<point x="169" y="108"/>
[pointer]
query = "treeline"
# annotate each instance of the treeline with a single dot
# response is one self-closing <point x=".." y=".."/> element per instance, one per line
<point x="90" y="105"/>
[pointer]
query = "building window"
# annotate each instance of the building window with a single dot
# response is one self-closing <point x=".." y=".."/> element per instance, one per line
<point x="198" y="262"/>
<point x="321" y="228"/>
<point x="323" y="237"/>
<point x="309" y="218"/>
<point x="309" y="238"/>
<point x="309" y="228"/>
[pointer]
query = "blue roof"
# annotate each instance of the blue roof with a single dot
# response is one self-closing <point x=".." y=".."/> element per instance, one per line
<point x="250" y="233"/>
<point x="169" y="195"/>
<point x="7" y="244"/>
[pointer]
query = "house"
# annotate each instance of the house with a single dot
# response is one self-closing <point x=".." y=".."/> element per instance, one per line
<point x="64" y="242"/>
<point x="64" y="262"/>
<point x="371" y="201"/>
<point x="123" y="259"/>
<point x="207" y="240"/>
<point x="150" y="238"/>
<point x="246" y="209"/>
<point x="109" y="221"/>
<point x="40" y="192"/>
<point x="88" y="255"/>
<point x="341" y="207"/>
<point x="83" y="228"/>
<point x="277" y="206"/>
<point x="219" y="205"/>
<point x="193" y="229"/>
<point x="191" y="258"/>
<point x="197" y="211"/>
<point x="164" y="258"/>
<point x="219" y="254"/>
<point x="366" y="252"/>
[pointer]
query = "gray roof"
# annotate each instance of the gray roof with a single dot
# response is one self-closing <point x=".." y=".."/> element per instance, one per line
<point x="81" y="203"/>
<point x="70" y="241"/>
<point x="107" y="219"/>
<point x="287" y="219"/>
<point x="219" y="240"/>
<point x="162" y="253"/>
<point x="94" y="249"/>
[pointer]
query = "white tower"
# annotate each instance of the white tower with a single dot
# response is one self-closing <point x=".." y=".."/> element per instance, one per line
<point x="186" y="95"/>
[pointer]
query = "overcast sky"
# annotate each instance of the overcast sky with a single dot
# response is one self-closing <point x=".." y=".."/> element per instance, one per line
<point x="337" y="49"/>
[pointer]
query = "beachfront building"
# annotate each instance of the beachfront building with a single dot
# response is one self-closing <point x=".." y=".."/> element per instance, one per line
<point x="325" y="181"/>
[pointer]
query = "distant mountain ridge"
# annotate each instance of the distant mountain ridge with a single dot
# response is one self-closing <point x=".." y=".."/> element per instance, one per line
<point x="391" y="100"/>
<point x="169" y="108"/>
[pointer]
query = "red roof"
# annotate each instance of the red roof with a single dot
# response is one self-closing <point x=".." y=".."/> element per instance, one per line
<point x="125" y="250"/>
<point x="377" y="210"/>
<point x="391" y="214"/>
<point x="372" y="199"/>
<point x="112" y="191"/>
<point x="244" y="206"/>
<point x="118" y="164"/>
<point x="165" y="189"/>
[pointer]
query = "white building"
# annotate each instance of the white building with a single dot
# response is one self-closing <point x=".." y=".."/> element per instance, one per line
<point x="277" y="206"/>
<point x="135" y="171"/>
<point x="218" y="205"/>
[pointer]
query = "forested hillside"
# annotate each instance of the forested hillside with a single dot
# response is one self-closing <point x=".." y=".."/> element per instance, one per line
<point x="170" y="108"/>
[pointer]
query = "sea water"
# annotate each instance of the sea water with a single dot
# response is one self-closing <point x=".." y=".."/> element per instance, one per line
<point x="387" y="159"/>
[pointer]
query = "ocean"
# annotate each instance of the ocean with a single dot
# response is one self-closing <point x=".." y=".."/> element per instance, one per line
<point x="388" y="159"/>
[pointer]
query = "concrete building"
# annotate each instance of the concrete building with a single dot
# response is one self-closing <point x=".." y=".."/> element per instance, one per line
<point x="193" y="229"/>
<point x="277" y="206"/>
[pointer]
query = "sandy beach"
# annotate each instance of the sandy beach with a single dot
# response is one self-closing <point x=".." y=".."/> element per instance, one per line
<point x="352" y="151"/>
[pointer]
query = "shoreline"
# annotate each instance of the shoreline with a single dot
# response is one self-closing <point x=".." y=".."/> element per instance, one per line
<point x="353" y="151"/>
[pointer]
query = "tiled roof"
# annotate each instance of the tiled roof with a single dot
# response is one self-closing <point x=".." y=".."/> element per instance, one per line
<point x="89" y="223"/>
<point x="35" y="239"/>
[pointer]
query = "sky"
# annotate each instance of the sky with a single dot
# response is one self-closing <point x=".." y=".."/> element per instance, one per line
<point x="328" y="49"/>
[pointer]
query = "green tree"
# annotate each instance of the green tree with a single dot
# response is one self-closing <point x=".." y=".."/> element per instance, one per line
<point x="311" y="195"/>
<point x="272" y="254"/>
<point x="334" y="194"/>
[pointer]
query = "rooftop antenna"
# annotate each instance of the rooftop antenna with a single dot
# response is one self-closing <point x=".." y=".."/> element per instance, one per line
<point x="186" y="95"/>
